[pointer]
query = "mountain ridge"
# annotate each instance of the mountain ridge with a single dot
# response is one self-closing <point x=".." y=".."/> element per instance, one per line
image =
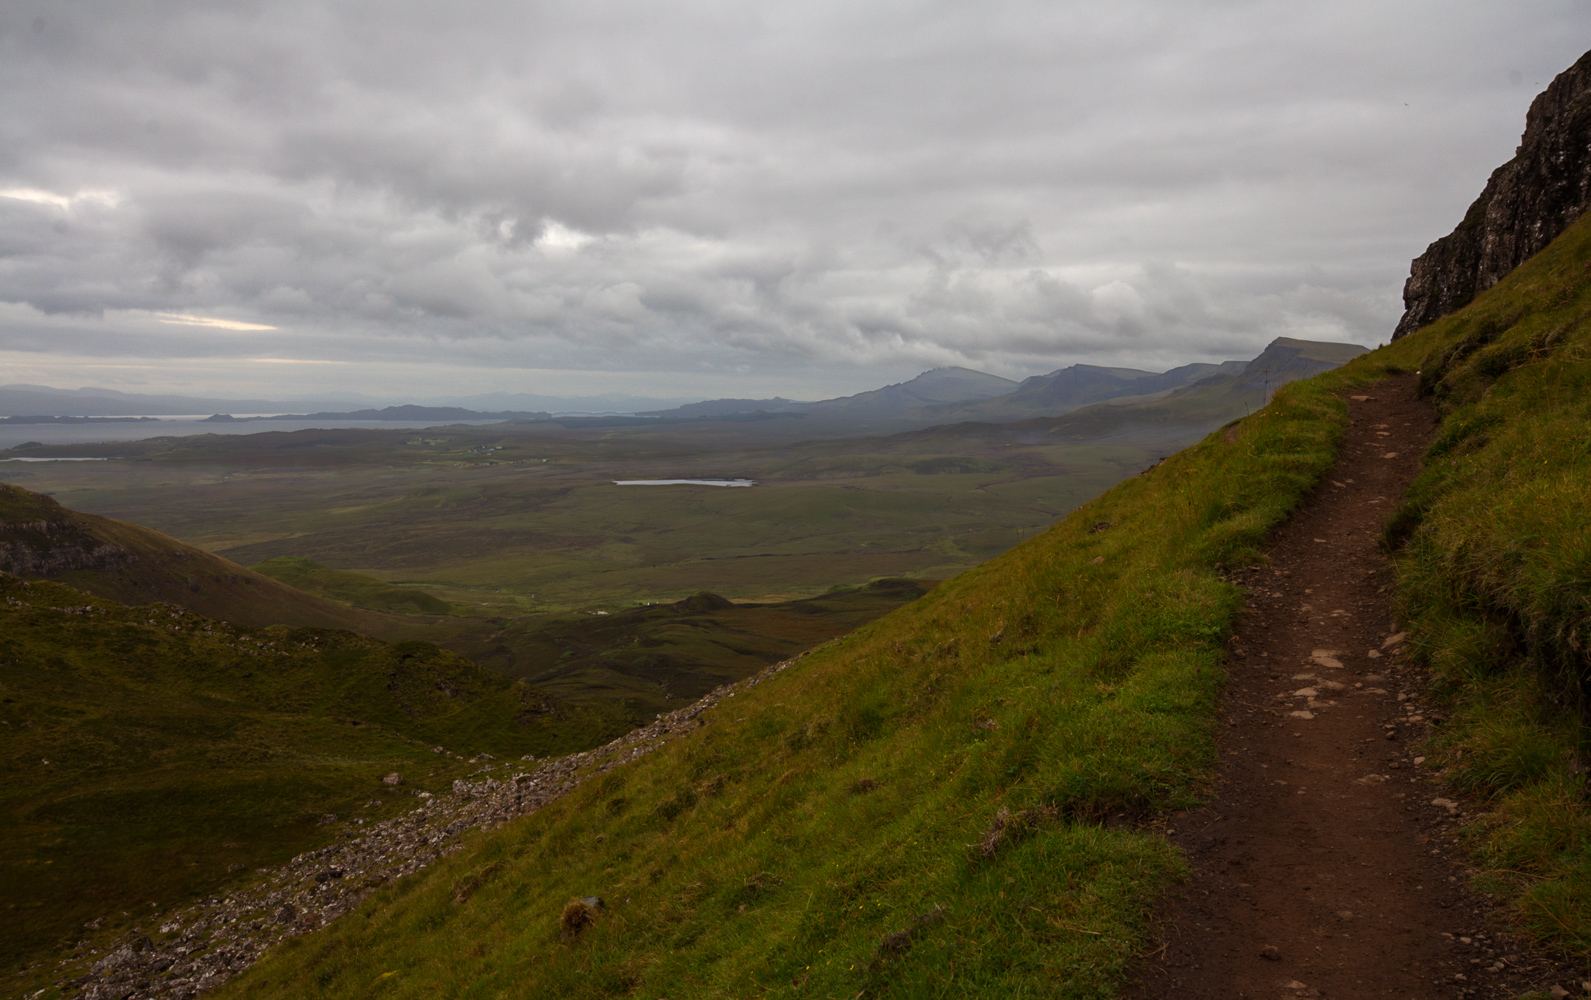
<point x="1037" y="397"/>
<point x="937" y="385"/>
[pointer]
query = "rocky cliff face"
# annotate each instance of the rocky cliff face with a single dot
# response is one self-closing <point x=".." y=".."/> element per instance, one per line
<point x="1527" y="202"/>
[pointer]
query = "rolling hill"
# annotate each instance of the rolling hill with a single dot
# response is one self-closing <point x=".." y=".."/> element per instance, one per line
<point x="1168" y="417"/>
<point x="1069" y="388"/>
<point x="939" y="385"/>
<point x="40" y="539"/>
<point x="150" y="755"/>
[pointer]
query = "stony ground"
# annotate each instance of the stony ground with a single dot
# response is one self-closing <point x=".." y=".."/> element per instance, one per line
<point x="201" y="947"/>
<point x="1326" y="867"/>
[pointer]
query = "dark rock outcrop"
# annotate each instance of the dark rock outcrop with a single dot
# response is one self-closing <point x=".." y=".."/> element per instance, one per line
<point x="1527" y="202"/>
<point x="49" y="548"/>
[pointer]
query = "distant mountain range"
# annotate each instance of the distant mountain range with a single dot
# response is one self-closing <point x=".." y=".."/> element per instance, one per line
<point x="48" y="401"/>
<point x="1066" y="389"/>
<point x="942" y="396"/>
<point x="941" y="385"/>
<point x="406" y="412"/>
<point x="1178" y="415"/>
<point x="946" y="396"/>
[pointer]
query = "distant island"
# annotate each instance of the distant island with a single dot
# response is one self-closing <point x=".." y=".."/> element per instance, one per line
<point x="79" y="420"/>
<point x="406" y="412"/>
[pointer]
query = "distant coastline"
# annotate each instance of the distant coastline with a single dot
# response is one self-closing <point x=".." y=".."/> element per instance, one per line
<point x="79" y="420"/>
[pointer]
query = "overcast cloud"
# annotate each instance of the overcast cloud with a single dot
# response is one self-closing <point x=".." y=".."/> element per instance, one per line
<point x="728" y="198"/>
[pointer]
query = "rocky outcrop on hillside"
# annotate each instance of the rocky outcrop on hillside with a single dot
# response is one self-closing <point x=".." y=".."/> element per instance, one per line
<point x="49" y="548"/>
<point x="1527" y="202"/>
<point x="198" y="949"/>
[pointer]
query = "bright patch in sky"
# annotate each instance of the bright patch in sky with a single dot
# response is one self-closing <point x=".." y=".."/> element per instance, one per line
<point x="39" y="196"/>
<point x="295" y="361"/>
<point x="182" y="319"/>
<point x="557" y="236"/>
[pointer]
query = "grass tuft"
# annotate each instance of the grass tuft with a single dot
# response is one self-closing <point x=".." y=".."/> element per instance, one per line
<point x="577" y="916"/>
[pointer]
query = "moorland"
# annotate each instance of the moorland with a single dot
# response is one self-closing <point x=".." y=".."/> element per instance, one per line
<point x="567" y="609"/>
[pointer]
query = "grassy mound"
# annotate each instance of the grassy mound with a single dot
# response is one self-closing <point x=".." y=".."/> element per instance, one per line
<point x="40" y="539"/>
<point x="1496" y="563"/>
<point x="948" y="800"/>
<point x="148" y="755"/>
<point x="351" y="588"/>
<point x="665" y="656"/>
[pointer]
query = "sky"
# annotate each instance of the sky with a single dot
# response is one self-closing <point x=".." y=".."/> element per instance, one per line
<point x="693" y="198"/>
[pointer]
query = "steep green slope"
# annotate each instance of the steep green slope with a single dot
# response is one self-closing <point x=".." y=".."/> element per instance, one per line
<point x="1496" y="559"/>
<point x="40" y="539"/>
<point x="945" y="802"/>
<point x="148" y="754"/>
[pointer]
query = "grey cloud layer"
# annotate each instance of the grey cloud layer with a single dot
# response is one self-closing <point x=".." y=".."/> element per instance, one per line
<point x="667" y="185"/>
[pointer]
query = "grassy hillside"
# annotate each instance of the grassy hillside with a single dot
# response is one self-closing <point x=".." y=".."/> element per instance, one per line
<point x="1496" y="561"/>
<point x="148" y="755"/>
<point x="662" y="657"/>
<point x="351" y="588"/>
<point x="949" y="800"/>
<point x="131" y="564"/>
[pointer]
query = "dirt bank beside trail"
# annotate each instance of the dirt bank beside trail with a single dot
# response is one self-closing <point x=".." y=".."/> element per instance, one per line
<point x="1325" y="867"/>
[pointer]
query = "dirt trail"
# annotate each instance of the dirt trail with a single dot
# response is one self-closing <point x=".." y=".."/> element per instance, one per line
<point x="1324" y="869"/>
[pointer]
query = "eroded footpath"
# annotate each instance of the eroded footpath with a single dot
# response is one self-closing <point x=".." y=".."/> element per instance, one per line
<point x="1326" y="866"/>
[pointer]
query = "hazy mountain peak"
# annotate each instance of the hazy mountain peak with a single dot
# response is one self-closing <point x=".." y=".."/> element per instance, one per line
<point x="937" y="385"/>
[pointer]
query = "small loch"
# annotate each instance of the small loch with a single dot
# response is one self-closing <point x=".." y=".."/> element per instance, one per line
<point x="685" y="482"/>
